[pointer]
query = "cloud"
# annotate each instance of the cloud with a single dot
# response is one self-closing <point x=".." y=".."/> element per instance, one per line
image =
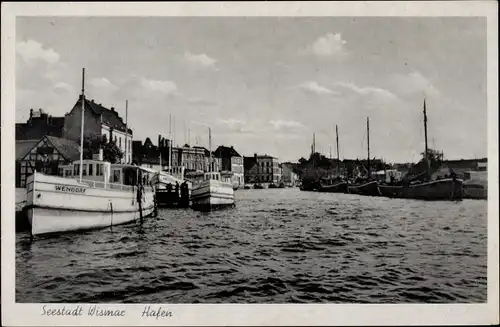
<point x="61" y="87"/>
<point x="314" y="87"/>
<point x="233" y="125"/>
<point x="413" y="83"/>
<point x="283" y="125"/>
<point x="102" y="82"/>
<point x="32" y="51"/>
<point x="199" y="59"/>
<point x="375" y="92"/>
<point x="329" y="45"/>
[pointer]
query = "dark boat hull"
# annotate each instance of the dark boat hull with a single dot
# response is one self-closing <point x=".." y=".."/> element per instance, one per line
<point x="340" y="187"/>
<point x="445" y="189"/>
<point x="368" y="188"/>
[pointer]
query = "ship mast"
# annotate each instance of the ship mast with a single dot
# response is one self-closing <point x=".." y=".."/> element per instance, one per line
<point x="368" y="141"/>
<point x="338" y="158"/>
<point x="82" y="125"/>
<point x="425" y="129"/>
<point x="210" y="150"/>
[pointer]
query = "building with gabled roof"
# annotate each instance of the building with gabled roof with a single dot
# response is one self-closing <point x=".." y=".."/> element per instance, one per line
<point x="44" y="155"/>
<point x="231" y="160"/>
<point x="99" y="122"/>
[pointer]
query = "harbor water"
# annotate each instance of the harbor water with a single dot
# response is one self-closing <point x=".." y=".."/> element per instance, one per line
<point x="275" y="246"/>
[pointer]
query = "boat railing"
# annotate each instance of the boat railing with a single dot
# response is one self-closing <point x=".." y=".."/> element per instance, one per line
<point x="112" y="186"/>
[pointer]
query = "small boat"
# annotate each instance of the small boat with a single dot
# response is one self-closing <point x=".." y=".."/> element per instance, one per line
<point x="443" y="189"/>
<point x="215" y="191"/>
<point x="272" y="185"/>
<point x="247" y="187"/>
<point x="258" y="186"/>
<point x="281" y="185"/>
<point x="366" y="187"/>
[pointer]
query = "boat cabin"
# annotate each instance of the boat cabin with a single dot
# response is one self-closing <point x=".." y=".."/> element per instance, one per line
<point x="107" y="173"/>
<point x="225" y="178"/>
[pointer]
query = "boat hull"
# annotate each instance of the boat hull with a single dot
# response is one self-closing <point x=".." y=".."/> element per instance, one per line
<point x="56" y="205"/>
<point x="340" y="187"/>
<point x="212" y="195"/>
<point x="368" y="188"/>
<point x="445" y="189"/>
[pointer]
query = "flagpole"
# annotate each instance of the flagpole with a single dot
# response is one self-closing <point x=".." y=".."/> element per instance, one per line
<point x="82" y="124"/>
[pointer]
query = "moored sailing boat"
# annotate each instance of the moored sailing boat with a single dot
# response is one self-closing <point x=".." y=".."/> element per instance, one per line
<point x="111" y="194"/>
<point x="365" y="186"/>
<point x="441" y="189"/>
<point x="337" y="184"/>
<point x="215" y="191"/>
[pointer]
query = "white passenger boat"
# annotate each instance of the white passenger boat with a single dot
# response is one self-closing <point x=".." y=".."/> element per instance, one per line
<point x="88" y="194"/>
<point x="109" y="195"/>
<point x="214" y="192"/>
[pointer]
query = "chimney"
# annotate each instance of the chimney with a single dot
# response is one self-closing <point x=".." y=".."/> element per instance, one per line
<point x="92" y="101"/>
<point x="112" y="109"/>
<point x="159" y="140"/>
<point x="255" y="156"/>
<point x="31" y="113"/>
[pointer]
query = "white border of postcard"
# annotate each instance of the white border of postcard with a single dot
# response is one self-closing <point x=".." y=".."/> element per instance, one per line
<point x="14" y="314"/>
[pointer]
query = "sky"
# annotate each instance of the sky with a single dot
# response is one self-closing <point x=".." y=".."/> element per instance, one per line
<point x="266" y="84"/>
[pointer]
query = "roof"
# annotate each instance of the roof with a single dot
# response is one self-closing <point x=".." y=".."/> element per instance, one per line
<point x="23" y="147"/>
<point x="110" y="117"/>
<point x="266" y="156"/>
<point x="70" y="150"/>
<point x="226" y="152"/>
<point x="67" y="148"/>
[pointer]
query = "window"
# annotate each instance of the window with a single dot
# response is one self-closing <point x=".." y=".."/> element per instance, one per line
<point x="91" y="168"/>
<point x="60" y="172"/>
<point x="76" y="169"/>
<point x="116" y="176"/>
<point x="120" y="142"/>
<point x="84" y="173"/>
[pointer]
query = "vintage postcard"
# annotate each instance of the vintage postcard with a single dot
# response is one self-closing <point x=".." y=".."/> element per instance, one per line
<point x="256" y="163"/>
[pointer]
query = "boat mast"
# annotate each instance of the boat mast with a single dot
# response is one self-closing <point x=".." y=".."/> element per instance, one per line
<point x="425" y="129"/>
<point x="126" y="132"/>
<point x="82" y="125"/>
<point x="368" y="141"/>
<point x="210" y="150"/>
<point x="338" y="158"/>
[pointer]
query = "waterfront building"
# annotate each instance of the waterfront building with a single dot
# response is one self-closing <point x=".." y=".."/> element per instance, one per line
<point x="44" y="155"/>
<point x="288" y="176"/>
<point x="262" y="169"/>
<point x="232" y="161"/>
<point x="100" y="122"/>
<point x="38" y="125"/>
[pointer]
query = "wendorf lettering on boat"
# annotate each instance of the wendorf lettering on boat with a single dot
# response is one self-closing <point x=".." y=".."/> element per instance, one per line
<point x="70" y="189"/>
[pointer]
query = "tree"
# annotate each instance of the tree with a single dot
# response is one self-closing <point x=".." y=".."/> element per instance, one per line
<point x="92" y="143"/>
